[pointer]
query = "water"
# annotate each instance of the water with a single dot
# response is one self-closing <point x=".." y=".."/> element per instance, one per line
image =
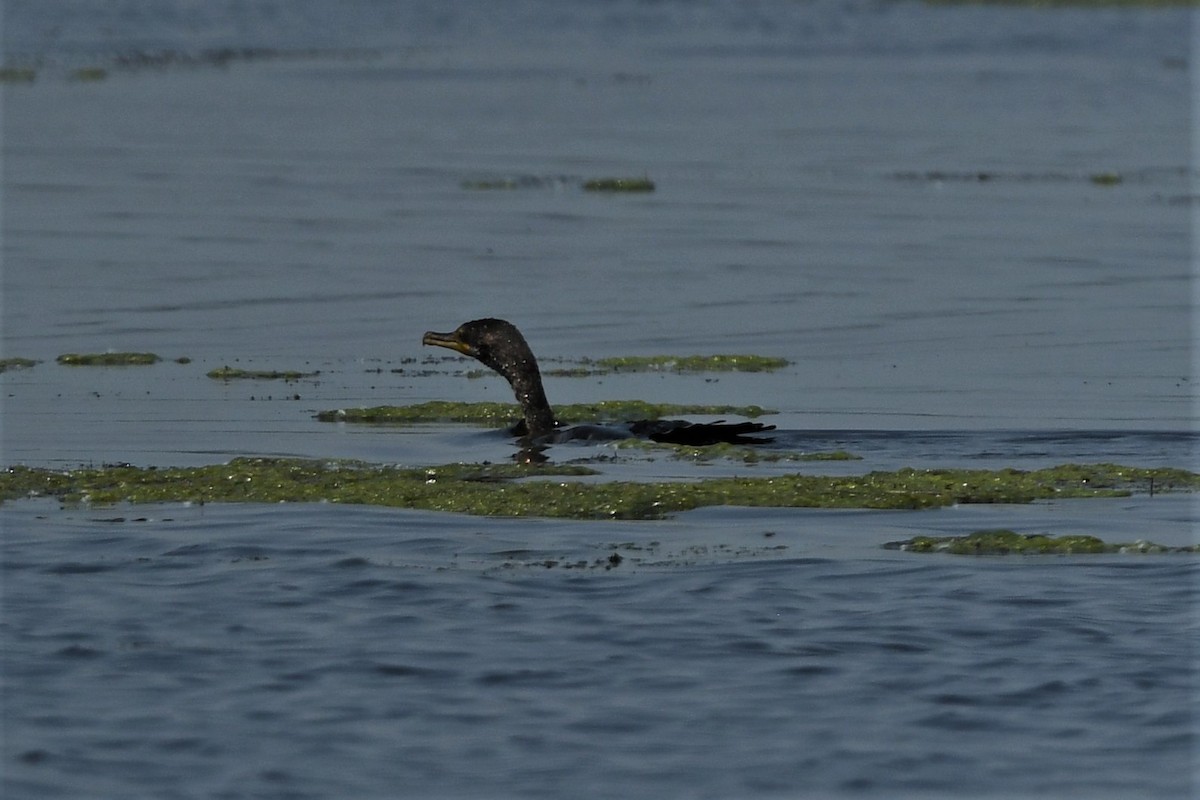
<point x="248" y="651"/>
<point x="897" y="198"/>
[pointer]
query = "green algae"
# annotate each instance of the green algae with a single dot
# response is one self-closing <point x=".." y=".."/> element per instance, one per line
<point x="492" y="415"/>
<point x="89" y="74"/>
<point x="269" y="480"/>
<point x="711" y="363"/>
<point x="1106" y="178"/>
<point x="626" y="410"/>
<point x="233" y="374"/>
<point x="1001" y="542"/>
<point x="107" y="359"/>
<point x="619" y="185"/>
<point x="570" y="372"/>
<point x="17" y="75"/>
<point x="497" y="415"/>
<point x="523" y="490"/>
<point x="17" y="363"/>
<point x="731" y="452"/>
<point x="508" y="183"/>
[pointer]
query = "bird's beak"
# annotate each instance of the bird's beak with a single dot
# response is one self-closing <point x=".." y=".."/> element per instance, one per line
<point x="450" y="340"/>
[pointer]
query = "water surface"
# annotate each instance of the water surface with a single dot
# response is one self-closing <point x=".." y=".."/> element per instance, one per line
<point x="966" y="228"/>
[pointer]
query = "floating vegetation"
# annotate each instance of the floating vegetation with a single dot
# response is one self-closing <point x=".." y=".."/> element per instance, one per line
<point x="629" y="410"/>
<point x="232" y="374"/>
<point x="225" y="56"/>
<point x="523" y="490"/>
<point x="518" y="182"/>
<point x="1106" y="178"/>
<point x="492" y="415"/>
<point x="1004" y="542"/>
<point x="731" y="452"/>
<point x="713" y="363"/>
<point x="107" y="359"/>
<point x="619" y="185"/>
<point x="566" y="372"/>
<point x="17" y="363"/>
<point x="497" y="415"/>
<point x="18" y="75"/>
<point x="89" y="74"/>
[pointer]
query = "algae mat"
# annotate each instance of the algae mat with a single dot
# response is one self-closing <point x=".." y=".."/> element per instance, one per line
<point x="551" y="491"/>
<point x="1005" y="542"/>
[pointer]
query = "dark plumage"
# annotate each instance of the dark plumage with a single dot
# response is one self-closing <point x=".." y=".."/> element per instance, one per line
<point x="498" y="344"/>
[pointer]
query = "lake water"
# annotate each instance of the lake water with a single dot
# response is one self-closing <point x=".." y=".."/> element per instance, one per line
<point x="968" y="229"/>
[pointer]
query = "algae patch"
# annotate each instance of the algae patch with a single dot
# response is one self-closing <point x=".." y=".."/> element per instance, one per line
<point x="732" y="452"/>
<point x="18" y="75"/>
<point x="233" y="374"/>
<point x="1002" y="542"/>
<point x="88" y="74"/>
<point x="107" y="359"/>
<point x="492" y="415"/>
<point x="619" y="185"/>
<point x="453" y="487"/>
<point x="497" y="415"/>
<point x="1106" y="178"/>
<point x="628" y="410"/>
<point x="17" y="363"/>
<point x="540" y="490"/>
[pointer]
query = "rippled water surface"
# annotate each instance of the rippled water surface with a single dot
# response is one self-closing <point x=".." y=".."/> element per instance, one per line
<point x="967" y="229"/>
<point x="242" y="651"/>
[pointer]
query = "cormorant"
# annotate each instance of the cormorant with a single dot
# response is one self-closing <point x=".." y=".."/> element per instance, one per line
<point x="498" y="344"/>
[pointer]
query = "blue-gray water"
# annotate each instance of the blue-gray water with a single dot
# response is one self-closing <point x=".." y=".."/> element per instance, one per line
<point x="911" y="203"/>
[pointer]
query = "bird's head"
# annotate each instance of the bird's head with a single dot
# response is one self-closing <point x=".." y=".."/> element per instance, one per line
<point x="494" y="342"/>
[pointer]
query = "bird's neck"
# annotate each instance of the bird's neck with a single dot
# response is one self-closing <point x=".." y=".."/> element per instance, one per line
<point x="527" y="386"/>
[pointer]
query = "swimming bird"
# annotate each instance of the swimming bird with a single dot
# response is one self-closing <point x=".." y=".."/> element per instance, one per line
<point x="499" y="345"/>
